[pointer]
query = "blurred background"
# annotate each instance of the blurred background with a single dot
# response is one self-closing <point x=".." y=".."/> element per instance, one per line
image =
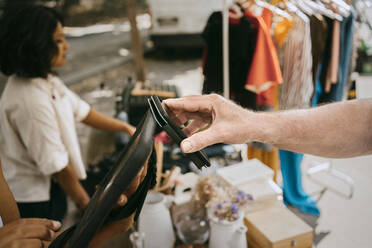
<point x="106" y="56"/>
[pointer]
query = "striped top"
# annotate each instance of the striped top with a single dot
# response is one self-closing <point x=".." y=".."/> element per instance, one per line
<point x="296" y="62"/>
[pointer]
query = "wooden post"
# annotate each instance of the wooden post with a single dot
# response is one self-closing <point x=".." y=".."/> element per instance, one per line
<point x="136" y="40"/>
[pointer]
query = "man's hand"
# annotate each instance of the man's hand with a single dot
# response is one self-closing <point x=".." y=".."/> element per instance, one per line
<point x="28" y="233"/>
<point x="213" y="119"/>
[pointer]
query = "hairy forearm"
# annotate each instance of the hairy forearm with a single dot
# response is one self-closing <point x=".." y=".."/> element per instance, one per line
<point x="334" y="130"/>
<point x="97" y="120"/>
<point x="71" y="185"/>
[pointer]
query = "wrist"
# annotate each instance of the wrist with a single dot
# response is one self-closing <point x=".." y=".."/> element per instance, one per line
<point x="83" y="202"/>
<point x="261" y="127"/>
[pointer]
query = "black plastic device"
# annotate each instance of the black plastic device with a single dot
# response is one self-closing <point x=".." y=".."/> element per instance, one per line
<point x="136" y="154"/>
<point x="119" y="178"/>
<point x="161" y="117"/>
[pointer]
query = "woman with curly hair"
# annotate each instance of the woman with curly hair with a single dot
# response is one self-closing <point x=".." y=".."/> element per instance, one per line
<point x="39" y="148"/>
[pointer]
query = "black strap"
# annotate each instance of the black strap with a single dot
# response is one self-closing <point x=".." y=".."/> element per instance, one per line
<point x="135" y="203"/>
<point x="62" y="239"/>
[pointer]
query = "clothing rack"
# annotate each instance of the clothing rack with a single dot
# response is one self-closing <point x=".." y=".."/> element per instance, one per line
<point x="225" y="48"/>
<point x="315" y="168"/>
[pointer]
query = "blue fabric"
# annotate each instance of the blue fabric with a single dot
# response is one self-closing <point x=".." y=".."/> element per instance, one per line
<point x="318" y="89"/>
<point x="290" y="165"/>
<point x="290" y="162"/>
<point x="294" y="194"/>
<point x="346" y="45"/>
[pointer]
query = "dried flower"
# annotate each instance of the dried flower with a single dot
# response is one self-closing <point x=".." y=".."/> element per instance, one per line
<point x="228" y="204"/>
<point x="223" y="202"/>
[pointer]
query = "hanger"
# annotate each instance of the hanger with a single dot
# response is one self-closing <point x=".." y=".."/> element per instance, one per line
<point x="303" y="7"/>
<point x="237" y="11"/>
<point x="342" y="4"/>
<point x="291" y="7"/>
<point x="271" y="7"/>
<point x="338" y="6"/>
<point x="315" y="8"/>
<point x="324" y="10"/>
<point x="246" y="4"/>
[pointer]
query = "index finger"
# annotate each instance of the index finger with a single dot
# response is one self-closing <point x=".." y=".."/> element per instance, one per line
<point x="39" y="231"/>
<point x="51" y="224"/>
<point x="190" y="104"/>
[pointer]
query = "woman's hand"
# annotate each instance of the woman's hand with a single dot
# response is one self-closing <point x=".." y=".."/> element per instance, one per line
<point x="28" y="233"/>
<point x="113" y="228"/>
<point x="123" y="199"/>
<point x="131" y="129"/>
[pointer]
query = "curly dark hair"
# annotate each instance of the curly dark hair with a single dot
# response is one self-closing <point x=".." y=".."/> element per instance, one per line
<point x="26" y="40"/>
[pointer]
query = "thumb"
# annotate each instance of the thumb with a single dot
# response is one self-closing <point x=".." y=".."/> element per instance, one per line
<point x="122" y="200"/>
<point x="198" y="141"/>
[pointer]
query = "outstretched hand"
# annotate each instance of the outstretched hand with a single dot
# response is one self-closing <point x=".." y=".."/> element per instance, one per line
<point x="213" y="119"/>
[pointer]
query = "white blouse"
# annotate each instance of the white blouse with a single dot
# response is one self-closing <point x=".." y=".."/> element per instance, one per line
<point x="37" y="134"/>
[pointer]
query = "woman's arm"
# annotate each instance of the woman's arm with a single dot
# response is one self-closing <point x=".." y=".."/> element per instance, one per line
<point x="97" y="120"/>
<point x="71" y="185"/>
<point x="8" y="206"/>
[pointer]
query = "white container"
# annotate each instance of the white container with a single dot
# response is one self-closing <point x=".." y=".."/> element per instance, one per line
<point x="226" y="234"/>
<point x="155" y="222"/>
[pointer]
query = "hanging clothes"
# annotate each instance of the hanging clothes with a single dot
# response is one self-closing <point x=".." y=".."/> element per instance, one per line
<point x="293" y="192"/>
<point x="337" y="90"/>
<point x="319" y="32"/>
<point x="296" y="92"/>
<point x="282" y="30"/>
<point x="242" y="40"/>
<point x="265" y="70"/>
<point x="332" y="72"/>
<point x="297" y="88"/>
<point x="212" y="58"/>
<point x="323" y="67"/>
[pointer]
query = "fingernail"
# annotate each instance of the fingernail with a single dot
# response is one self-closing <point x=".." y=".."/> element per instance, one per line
<point x="56" y="224"/>
<point x="122" y="199"/>
<point x="186" y="146"/>
<point x="52" y="234"/>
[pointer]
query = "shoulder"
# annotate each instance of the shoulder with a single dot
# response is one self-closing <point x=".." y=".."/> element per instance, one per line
<point x="27" y="88"/>
<point x="25" y="94"/>
<point x="58" y="84"/>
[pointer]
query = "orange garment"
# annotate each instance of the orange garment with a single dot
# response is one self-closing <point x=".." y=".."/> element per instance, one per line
<point x="265" y="69"/>
<point x="281" y="30"/>
<point x="332" y="73"/>
<point x="267" y="98"/>
<point x="269" y="158"/>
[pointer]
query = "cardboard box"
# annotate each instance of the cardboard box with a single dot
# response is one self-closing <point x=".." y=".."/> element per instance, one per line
<point x="245" y="172"/>
<point x="255" y="178"/>
<point x="277" y="227"/>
